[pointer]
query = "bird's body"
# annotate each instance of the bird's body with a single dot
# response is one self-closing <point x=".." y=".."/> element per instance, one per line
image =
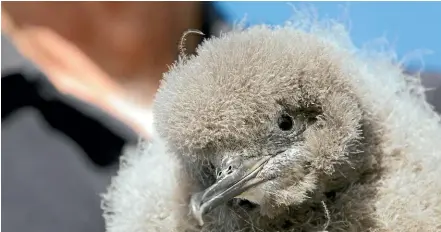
<point x="284" y="129"/>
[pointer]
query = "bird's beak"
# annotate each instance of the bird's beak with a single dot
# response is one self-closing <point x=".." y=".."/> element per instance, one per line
<point x="240" y="177"/>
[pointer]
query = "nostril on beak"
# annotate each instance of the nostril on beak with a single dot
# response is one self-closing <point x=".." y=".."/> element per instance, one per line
<point x="228" y="167"/>
<point x="225" y="172"/>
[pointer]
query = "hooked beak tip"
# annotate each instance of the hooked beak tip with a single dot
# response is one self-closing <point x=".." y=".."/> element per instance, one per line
<point x="196" y="210"/>
<point x="240" y="179"/>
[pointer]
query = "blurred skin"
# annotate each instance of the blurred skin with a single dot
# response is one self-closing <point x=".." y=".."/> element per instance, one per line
<point x="102" y="52"/>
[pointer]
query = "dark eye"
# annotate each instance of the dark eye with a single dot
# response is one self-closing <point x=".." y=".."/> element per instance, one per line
<point x="285" y="122"/>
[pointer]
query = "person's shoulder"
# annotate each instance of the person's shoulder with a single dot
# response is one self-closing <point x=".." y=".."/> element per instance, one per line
<point x="100" y="135"/>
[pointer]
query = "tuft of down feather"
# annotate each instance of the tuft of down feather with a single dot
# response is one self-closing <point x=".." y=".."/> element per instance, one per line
<point x="149" y="193"/>
<point x="152" y="189"/>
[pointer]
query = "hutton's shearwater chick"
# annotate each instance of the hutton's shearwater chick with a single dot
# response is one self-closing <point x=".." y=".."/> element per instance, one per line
<point x="284" y="129"/>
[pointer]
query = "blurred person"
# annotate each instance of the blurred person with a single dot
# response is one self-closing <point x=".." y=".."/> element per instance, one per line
<point x="82" y="88"/>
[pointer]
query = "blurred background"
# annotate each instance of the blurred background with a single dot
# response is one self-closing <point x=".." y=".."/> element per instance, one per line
<point x="78" y="80"/>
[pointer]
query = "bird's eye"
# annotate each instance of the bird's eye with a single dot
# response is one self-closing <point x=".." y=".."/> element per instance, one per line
<point x="285" y="122"/>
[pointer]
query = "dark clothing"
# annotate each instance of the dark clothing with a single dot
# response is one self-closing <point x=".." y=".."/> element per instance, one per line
<point x="99" y="135"/>
<point x="48" y="185"/>
<point x="52" y="146"/>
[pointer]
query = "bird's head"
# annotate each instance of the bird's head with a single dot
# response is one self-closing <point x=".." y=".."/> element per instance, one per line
<point x="265" y="115"/>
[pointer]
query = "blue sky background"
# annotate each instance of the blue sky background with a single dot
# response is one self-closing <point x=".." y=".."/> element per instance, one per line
<point x="409" y="26"/>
